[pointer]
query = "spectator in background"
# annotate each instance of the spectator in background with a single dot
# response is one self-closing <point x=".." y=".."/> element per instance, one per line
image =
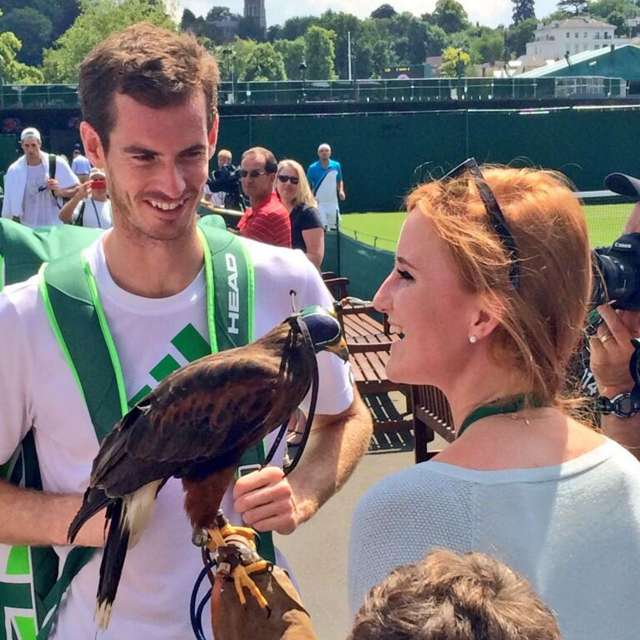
<point x="266" y="220"/>
<point x="447" y="596"/>
<point x="90" y="206"/>
<point x="34" y="183"/>
<point x="80" y="164"/>
<point x="224" y="184"/>
<point x="611" y="348"/>
<point x="307" y="233"/>
<point x="325" y="177"/>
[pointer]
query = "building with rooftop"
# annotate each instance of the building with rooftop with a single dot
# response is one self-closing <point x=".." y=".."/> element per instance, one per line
<point x="559" y="38"/>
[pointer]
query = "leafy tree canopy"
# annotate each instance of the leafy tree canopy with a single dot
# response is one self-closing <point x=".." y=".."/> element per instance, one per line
<point x="97" y="20"/>
<point x="32" y="28"/>
<point x="523" y="10"/>
<point x="455" y="62"/>
<point x="11" y="70"/>
<point x="450" y="16"/>
<point x="383" y="11"/>
<point x="320" y="52"/>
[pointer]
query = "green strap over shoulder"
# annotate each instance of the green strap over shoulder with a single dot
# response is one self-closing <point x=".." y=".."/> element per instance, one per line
<point x="72" y="301"/>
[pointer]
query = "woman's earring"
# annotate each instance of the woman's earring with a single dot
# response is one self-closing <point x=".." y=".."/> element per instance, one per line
<point x="473" y="339"/>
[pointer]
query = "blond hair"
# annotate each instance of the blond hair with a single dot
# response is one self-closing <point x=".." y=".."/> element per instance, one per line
<point x="541" y="320"/>
<point x="455" y="597"/>
<point x="303" y="194"/>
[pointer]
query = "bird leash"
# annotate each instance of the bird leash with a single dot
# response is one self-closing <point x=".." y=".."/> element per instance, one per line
<point x="274" y="609"/>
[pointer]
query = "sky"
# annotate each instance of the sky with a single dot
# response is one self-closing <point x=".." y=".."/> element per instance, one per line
<point x="487" y="12"/>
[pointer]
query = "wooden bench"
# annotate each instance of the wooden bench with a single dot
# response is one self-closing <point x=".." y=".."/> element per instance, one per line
<point x="431" y="414"/>
<point x="369" y="342"/>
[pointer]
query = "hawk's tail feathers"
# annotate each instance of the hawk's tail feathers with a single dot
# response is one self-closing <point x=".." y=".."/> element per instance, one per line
<point x="115" y="551"/>
<point x="127" y="518"/>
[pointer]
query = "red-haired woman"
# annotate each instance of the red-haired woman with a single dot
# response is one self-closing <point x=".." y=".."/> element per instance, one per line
<point x="490" y="288"/>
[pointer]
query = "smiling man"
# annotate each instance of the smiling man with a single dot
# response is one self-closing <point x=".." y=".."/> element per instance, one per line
<point x="150" y="122"/>
<point x="267" y="219"/>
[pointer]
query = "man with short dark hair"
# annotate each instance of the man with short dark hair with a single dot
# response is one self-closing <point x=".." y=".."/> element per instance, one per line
<point x="149" y="102"/>
<point x="267" y="219"/>
<point x="34" y="183"/>
<point x="447" y="596"/>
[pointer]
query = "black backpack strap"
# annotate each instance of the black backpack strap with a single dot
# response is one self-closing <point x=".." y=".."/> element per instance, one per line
<point x="79" y="221"/>
<point x="52" y="175"/>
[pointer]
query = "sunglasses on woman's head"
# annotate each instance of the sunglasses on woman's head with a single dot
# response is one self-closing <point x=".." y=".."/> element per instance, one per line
<point x="293" y="179"/>
<point x="491" y="206"/>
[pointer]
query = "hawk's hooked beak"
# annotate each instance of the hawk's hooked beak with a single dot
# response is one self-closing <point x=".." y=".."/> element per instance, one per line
<point x="340" y="349"/>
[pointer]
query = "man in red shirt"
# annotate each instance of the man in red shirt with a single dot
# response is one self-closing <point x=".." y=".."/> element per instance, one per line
<point x="266" y="220"/>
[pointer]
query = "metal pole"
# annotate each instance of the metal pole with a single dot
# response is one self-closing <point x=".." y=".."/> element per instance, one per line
<point x="349" y="53"/>
<point x="338" y="263"/>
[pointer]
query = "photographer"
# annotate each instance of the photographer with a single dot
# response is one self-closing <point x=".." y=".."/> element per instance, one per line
<point x="611" y="348"/>
<point x="225" y="184"/>
<point x="90" y="206"/>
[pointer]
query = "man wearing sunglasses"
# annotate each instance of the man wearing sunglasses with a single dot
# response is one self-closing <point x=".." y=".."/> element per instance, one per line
<point x="266" y="220"/>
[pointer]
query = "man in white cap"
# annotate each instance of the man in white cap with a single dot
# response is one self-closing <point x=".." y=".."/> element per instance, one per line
<point x="325" y="177"/>
<point x="35" y="182"/>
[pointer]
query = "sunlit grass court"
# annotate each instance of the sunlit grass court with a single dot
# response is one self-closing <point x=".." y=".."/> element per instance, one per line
<point x="605" y="222"/>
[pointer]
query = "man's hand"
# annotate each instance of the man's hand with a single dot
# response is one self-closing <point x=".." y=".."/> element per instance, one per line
<point x="342" y="195"/>
<point x="611" y="350"/>
<point x="53" y="184"/>
<point x="264" y="499"/>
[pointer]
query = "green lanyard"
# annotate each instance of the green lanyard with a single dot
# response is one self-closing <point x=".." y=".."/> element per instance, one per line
<point x="517" y="403"/>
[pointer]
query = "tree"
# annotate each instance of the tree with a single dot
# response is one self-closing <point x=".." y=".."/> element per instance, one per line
<point x="296" y="27"/>
<point x="188" y="21"/>
<point x="456" y="63"/>
<point x="218" y="13"/>
<point x="617" y="19"/>
<point x="12" y="71"/>
<point x="265" y="63"/>
<point x="579" y="6"/>
<point x="518" y="35"/>
<point x="490" y="46"/>
<point x="604" y="8"/>
<point x="383" y="56"/>
<point x="98" y="20"/>
<point x="320" y="50"/>
<point x="523" y="10"/>
<point x="383" y="11"/>
<point x="293" y="55"/>
<point x="32" y="28"/>
<point x="342" y="24"/>
<point x="450" y="16"/>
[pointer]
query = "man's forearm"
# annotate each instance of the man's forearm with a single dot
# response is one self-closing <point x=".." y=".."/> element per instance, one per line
<point x="67" y="192"/>
<point x="38" y="518"/>
<point x="336" y="445"/>
<point x="625" y="431"/>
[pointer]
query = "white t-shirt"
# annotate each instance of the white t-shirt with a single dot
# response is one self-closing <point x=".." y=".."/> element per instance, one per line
<point x="97" y="213"/>
<point x="39" y="205"/>
<point x="151" y="335"/>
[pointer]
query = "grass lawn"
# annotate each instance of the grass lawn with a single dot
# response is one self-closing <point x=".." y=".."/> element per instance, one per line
<point x="381" y="230"/>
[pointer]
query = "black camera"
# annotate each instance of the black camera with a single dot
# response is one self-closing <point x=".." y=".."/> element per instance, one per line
<point x="616" y="273"/>
<point x="227" y="180"/>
